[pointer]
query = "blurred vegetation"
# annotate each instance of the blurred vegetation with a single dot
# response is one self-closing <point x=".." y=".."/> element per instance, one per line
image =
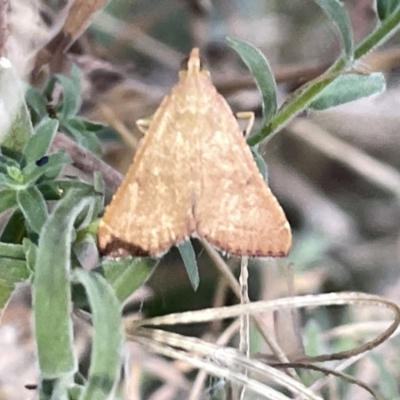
<point x="331" y="150"/>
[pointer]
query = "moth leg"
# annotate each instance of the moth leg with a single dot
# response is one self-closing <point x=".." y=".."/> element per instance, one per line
<point x="112" y="120"/>
<point x="143" y="124"/>
<point x="249" y="116"/>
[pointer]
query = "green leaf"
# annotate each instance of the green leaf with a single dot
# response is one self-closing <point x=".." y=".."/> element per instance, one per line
<point x="47" y="90"/>
<point x="99" y="188"/>
<point x="10" y="154"/>
<point x="14" y="231"/>
<point x="349" y="87"/>
<point x="91" y="126"/>
<point x="106" y="357"/>
<point x="55" y="190"/>
<point x="127" y="274"/>
<point x="8" y="199"/>
<point x="86" y="217"/>
<point x="262" y="74"/>
<point x="261" y="165"/>
<point x="75" y="392"/>
<point x="55" y="162"/>
<point x="71" y="89"/>
<point x="12" y="250"/>
<point x="189" y="259"/>
<point x="15" y="123"/>
<point x="39" y="143"/>
<point x="88" y="139"/>
<point x="15" y="174"/>
<point x="6" y="162"/>
<point x="20" y="130"/>
<point x="13" y="271"/>
<point x="9" y="183"/>
<point x="51" y="289"/>
<point x="36" y="102"/>
<point x="30" y="251"/>
<point x="385" y="7"/>
<point x="336" y="12"/>
<point x="33" y="206"/>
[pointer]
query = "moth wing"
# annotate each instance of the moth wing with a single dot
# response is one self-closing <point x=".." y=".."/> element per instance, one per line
<point x="151" y="210"/>
<point x="238" y="212"/>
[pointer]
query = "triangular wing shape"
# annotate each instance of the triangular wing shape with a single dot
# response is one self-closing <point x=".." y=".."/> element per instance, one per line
<point x="237" y="213"/>
<point x="194" y="174"/>
<point x="151" y="210"/>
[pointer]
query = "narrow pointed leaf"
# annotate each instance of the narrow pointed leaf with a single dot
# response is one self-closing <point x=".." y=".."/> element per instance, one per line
<point x="33" y="206"/>
<point x="85" y="138"/>
<point x="8" y="199"/>
<point x="127" y="275"/>
<point x="262" y="166"/>
<point x="36" y="102"/>
<point x="261" y="71"/>
<point x="71" y="100"/>
<point x="52" y="292"/>
<point x="39" y="143"/>
<point x="54" y="163"/>
<point x="99" y="187"/>
<point x="337" y="13"/>
<point x="54" y="190"/>
<point x="106" y="357"/>
<point x="189" y="259"/>
<point x="349" y="87"/>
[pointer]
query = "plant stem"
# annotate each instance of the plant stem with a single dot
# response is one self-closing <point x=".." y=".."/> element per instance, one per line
<point x="300" y="100"/>
<point x="381" y="34"/>
<point x="297" y="103"/>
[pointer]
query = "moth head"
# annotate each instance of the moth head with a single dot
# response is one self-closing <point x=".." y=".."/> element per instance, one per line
<point x="193" y="64"/>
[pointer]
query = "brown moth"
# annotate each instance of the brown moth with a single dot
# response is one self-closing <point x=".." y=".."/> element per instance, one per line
<point x="194" y="175"/>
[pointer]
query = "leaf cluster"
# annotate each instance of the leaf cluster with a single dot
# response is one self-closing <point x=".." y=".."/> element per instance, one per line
<point x="50" y="229"/>
<point x="65" y="109"/>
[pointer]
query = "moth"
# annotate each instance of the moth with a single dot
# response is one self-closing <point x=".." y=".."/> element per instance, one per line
<point x="193" y="175"/>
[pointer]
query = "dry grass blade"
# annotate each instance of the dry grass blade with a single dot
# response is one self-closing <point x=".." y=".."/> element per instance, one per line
<point x="235" y="287"/>
<point x="330" y="299"/>
<point x="328" y="371"/>
<point x="139" y="361"/>
<point x="223" y="339"/>
<point x="221" y="361"/>
<point x="79" y="17"/>
<point x="320" y="383"/>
